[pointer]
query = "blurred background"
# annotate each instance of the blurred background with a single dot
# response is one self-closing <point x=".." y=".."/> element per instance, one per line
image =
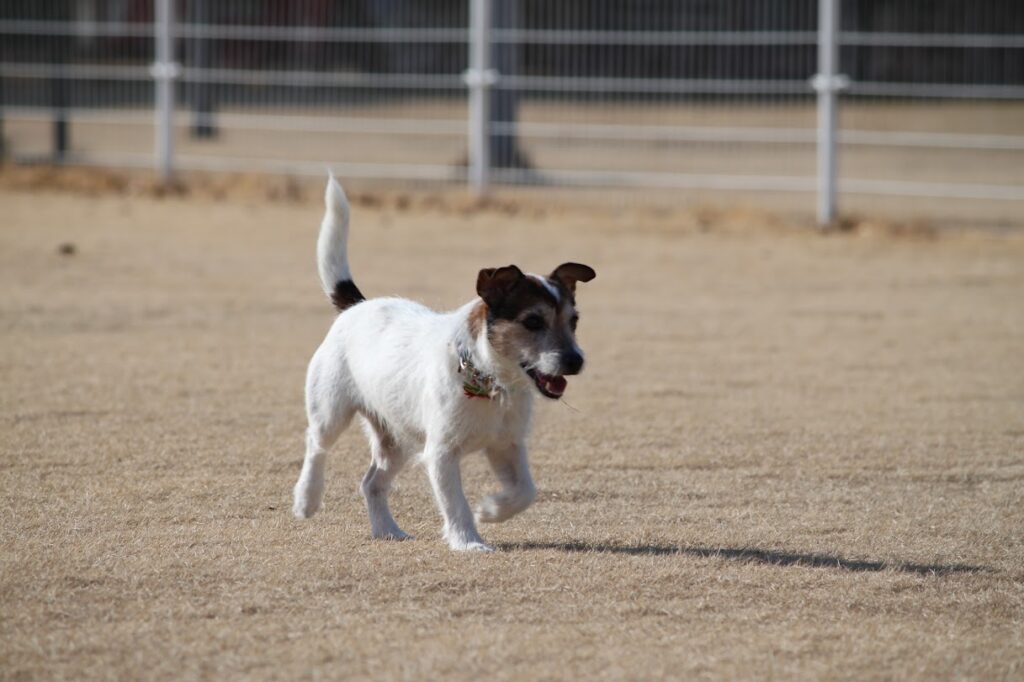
<point x="688" y="100"/>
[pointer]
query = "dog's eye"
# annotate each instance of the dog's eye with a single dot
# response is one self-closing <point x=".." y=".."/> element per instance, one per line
<point x="533" y="322"/>
<point x="574" y="321"/>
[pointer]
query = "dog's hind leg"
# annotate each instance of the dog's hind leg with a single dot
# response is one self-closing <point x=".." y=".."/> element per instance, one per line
<point x="518" y="492"/>
<point x="322" y="433"/>
<point x="387" y="459"/>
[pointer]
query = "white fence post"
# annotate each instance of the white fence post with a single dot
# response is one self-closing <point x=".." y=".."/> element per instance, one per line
<point x="164" y="71"/>
<point x="480" y="78"/>
<point x="827" y="83"/>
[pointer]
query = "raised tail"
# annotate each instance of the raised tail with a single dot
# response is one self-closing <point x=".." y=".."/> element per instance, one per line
<point x="332" y="250"/>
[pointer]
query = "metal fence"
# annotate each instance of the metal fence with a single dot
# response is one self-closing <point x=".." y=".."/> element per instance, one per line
<point x="905" y="97"/>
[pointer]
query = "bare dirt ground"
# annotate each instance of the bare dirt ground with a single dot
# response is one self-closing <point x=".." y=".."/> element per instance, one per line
<point x="791" y="455"/>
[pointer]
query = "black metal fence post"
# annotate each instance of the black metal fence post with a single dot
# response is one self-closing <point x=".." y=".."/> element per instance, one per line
<point x="59" y="101"/>
<point x="203" y="125"/>
<point x="504" y="109"/>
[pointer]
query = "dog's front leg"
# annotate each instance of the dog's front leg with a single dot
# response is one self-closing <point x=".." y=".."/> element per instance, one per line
<point x="446" y="480"/>
<point x="518" y="492"/>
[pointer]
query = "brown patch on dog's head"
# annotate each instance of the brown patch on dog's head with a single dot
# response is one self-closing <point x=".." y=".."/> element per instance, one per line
<point x="478" y="319"/>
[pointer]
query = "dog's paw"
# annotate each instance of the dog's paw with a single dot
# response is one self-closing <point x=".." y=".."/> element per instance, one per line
<point x="491" y="510"/>
<point x="308" y="498"/>
<point x="396" y="534"/>
<point x="470" y="547"/>
<point x="306" y="505"/>
<point x="303" y="510"/>
<point x="504" y="505"/>
<point x="467" y="541"/>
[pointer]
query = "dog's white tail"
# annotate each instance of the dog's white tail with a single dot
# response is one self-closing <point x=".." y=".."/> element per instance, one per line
<point x="332" y="249"/>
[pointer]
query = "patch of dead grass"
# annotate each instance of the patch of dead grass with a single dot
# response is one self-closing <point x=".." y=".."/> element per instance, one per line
<point x="791" y="456"/>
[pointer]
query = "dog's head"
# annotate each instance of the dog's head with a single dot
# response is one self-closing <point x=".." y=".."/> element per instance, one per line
<point x="531" y="321"/>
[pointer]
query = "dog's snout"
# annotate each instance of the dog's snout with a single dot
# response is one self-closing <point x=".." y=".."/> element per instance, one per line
<point x="572" y="362"/>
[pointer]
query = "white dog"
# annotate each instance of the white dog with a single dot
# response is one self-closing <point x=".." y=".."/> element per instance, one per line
<point x="437" y="385"/>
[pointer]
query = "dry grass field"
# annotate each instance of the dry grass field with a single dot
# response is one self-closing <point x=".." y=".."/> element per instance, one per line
<point x="792" y="455"/>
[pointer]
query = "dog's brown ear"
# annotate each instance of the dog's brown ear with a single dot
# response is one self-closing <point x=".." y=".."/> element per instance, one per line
<point x="570" y="273"/>
<point x="493" y="284"/>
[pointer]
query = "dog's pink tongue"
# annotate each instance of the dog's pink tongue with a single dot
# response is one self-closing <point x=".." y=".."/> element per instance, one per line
<point x="555" y="385"/>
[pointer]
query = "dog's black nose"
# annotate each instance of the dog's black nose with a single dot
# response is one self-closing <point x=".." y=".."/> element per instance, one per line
<point x="572" y="362"/>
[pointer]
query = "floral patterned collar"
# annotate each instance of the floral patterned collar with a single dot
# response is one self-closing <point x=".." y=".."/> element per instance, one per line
<point x="476" y="384"/>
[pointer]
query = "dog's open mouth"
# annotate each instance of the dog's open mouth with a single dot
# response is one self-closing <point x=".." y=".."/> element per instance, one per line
<point x="550" y="386"/>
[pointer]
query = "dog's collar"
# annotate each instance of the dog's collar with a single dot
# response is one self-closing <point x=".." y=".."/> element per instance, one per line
<point x="476" y="384"/>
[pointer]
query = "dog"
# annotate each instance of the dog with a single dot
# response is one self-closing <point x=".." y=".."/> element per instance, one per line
<point x="436" y="386"/>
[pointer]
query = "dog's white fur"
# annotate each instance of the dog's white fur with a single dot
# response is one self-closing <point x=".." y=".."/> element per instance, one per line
<point x="393" y="362"/>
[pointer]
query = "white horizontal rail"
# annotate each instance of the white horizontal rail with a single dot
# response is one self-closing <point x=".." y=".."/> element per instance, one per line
<point x="104" y="159"/>
<point x="575" y="131"/>
<point x="362" y="34"/>
<point x="904" y="138"/>
<point x="680" y="86"/>
<point x="652" y="133"/>
<point x="740" y="38"/>
<point x="412" y="81"/>
<point x="324" y="124"/>
<point x="935" y="90"/>
<point x="933" y="190"/>
<point x="951" y="40"/>
<point x="383" y="171"/>
<point x="641" y="179"/>
<point x="652" y="38"/>
<point x="312" y="124"/>
<point x="755" y="183"/>
<point x="238" y="76"/>
<point x="376" y="171"/>
<point x="236" y="32"/>
<point x="760" y="135"/>
<point x="86" y="72"/>
<point x="31" y="27"/>
<point x="577" y="178"/>
<point x="405" y="81"/>
<point x="80" y="114"/>
<point x="526" y="36"/>
<point x="433" y="172"/>
<point x="407" y="35"/>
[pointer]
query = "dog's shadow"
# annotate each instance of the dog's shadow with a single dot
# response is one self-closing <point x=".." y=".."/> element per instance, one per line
<point x="749" y="554"/>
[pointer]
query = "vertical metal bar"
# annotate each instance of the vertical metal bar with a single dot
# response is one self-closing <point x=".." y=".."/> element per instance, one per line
<point x="164" y="71"/>
<point x="827" y="83"/>
<point x="504" y="102"/>
<point x="60" y="117"/>
<point x="3" y="147"/>
<point x="59" y="94"/>
<point x="479" y="77"/>
<point x="203" y="125"/>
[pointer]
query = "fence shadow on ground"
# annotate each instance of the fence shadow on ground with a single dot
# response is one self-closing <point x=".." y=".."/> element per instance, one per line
<point x="750" y="554"/>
